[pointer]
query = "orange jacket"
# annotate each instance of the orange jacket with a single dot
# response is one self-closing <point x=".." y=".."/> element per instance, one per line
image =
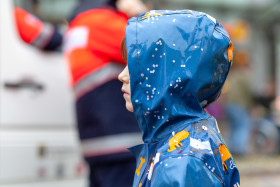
<point x="93" y="40"/>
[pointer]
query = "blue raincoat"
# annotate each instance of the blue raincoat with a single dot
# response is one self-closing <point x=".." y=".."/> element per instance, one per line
<point x="178" y="62"/>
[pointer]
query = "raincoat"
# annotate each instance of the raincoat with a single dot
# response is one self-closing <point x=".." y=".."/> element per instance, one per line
<point x="178" y="62"/>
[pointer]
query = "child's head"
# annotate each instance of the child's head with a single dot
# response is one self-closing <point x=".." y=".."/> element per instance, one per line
<point x="177" y="61"/>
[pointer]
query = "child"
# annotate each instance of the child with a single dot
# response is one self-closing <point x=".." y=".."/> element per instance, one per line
<point x="178" y="62"/>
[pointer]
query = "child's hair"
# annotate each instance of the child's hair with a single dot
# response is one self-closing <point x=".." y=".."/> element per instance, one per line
<point x="123" y="49"/>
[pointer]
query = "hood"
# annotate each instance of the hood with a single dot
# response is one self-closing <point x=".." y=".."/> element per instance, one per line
<point x="178" y="62"/>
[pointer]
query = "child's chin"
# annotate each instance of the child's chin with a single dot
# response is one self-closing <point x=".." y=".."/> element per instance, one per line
<point x="129" y="107"/>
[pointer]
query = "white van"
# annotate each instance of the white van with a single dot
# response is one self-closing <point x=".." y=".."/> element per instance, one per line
<point x="38" y="140"/>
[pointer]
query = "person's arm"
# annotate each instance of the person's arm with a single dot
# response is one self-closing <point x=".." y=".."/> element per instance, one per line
<point x="184" y="171"/>
<point x="33" y="31"/>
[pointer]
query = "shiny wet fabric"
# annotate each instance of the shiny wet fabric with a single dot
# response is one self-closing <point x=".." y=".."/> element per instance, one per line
<point x="178" y="62"/>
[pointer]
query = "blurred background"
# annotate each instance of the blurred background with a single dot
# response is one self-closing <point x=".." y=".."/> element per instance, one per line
<point x="39" y="144"/>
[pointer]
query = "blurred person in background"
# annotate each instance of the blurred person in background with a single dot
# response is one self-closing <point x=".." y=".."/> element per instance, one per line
<point x="92" y="48"/>
<point x="35" y="32"/>
<point x="239" y="98"/>
<point x="265" y="135"/>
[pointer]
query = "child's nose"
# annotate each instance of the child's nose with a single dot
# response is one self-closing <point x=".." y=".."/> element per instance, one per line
<point x="124" y="76"/>
<point x="121" y="76"/>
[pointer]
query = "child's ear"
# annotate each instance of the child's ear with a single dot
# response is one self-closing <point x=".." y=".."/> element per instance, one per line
<point x="123" y="49"/>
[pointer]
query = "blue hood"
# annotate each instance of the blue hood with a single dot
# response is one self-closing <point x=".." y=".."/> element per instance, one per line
<point x="178" y="62"/>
